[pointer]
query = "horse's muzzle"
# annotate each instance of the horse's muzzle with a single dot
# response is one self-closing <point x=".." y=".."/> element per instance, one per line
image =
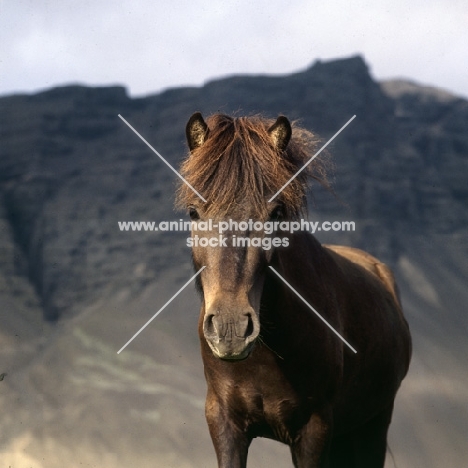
<point x="231" y="336"/>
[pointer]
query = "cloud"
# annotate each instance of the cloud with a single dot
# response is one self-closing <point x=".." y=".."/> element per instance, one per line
<point x="153" y="45"/>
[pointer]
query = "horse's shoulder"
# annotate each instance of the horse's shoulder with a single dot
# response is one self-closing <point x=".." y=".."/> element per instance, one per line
<point x="355" y="255"/>
<point x="369" y="263"/>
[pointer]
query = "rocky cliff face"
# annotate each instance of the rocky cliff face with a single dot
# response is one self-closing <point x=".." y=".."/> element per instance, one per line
<point x="70" y="170"/>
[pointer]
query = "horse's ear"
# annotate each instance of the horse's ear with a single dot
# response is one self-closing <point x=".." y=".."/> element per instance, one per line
<point x="280" y="133"/>
<point x="196" y="131"/>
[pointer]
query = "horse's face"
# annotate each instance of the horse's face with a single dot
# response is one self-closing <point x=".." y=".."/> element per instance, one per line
<point x="232" y="280"/>
<point x="235" y="255"/>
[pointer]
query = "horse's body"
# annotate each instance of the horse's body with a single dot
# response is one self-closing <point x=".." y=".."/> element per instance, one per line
<point x="272" y="368"/>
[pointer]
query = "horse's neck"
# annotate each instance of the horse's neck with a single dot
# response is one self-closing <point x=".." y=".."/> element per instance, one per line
<point x="305" y="266"/>
<point x="305" y="259"/>
<point x="286" y="319"/>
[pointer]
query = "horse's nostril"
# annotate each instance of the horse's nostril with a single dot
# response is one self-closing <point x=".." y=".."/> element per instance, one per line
<point x="209" y="326"/>
<point x="250" y="326"/>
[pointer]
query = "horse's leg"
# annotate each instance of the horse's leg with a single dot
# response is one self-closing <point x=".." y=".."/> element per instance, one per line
<point x="310" y="449"/>
<point x="370" y="440"/>
<point x="231" y="444"/>
<point x="231" y="448"/>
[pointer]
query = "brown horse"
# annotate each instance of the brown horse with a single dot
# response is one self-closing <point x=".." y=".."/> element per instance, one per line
<point x="273" y="369"/>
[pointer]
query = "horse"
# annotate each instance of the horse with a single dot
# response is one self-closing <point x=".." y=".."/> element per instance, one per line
<point x="273" y="369"/>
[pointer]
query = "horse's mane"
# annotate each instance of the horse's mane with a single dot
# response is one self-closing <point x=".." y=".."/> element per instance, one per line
<point x="238" y="165"/>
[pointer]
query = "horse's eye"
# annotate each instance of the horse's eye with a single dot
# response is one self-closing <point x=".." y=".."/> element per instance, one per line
<point x="193" y="213"/>
<point x="277" y="213"/>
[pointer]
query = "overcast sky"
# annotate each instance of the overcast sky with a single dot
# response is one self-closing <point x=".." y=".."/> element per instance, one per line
<point x="149" y="45"/>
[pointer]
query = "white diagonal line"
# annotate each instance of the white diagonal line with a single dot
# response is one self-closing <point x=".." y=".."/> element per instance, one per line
<point x="161" y="309"/>
<point x="162" y="159"/>
<point x="312" y="158"/>
<point x="313" y="310"/>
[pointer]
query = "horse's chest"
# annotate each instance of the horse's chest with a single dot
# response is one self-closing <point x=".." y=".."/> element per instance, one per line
<point x="275" y="415"/>
<point x="281" y="418"/>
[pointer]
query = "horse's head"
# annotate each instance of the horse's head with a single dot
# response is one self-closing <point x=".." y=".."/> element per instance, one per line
<point x="238" y="165"/>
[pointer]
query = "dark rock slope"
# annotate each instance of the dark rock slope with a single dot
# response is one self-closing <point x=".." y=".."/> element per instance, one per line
<point x="74" y="288"/>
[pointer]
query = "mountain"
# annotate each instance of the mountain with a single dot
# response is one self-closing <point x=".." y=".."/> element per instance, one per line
<point x="74" y="288"/>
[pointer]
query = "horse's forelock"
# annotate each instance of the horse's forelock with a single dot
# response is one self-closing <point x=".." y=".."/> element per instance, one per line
<point x="238" y="166"/>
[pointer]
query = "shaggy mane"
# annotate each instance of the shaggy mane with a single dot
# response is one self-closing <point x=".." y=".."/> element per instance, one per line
<point x="238" y="166"/>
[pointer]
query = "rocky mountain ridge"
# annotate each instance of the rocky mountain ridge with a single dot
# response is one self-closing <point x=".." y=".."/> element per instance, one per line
<point x="73" y="287"/>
